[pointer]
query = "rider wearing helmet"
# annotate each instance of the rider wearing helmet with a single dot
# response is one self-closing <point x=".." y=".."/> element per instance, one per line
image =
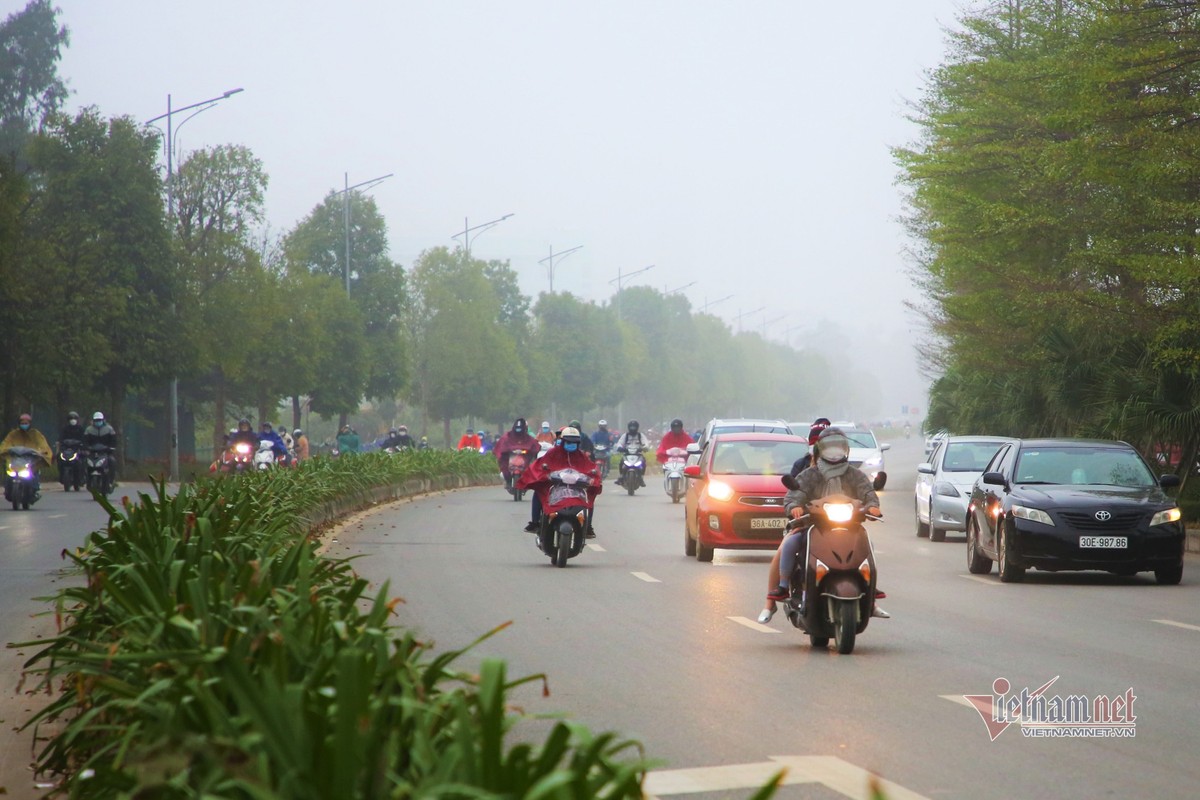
<point x="603" y="436"/>
<point x="100" y="433"/>
<point x="632" y="436"/>
<point x="676" y="437"/>
<point x="567" y="453"/>
<point x="403" y="439"/>
<point x="516" y="438"/>
<point x="72" y="430"/>
<point x="585" y="443"/>
<point x="545" y="434"/>
<point x="831" y="473"/>
<point x="243" y="433"/>
<point x="25" y="435"/>
<point x="268" y="434"/>
<point x="301" y="444"/>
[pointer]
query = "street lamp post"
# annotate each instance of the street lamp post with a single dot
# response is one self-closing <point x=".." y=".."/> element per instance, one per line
<point x="345" y="193"/>
<point x="704" y="308"/>
<point x="173" y="394"/>
<point x="553" y="255"/>
<point x="468" y="229"/>
<point x="741" y="314"/>
<point x="680" y="289"/>
<point x="619" y="280"/>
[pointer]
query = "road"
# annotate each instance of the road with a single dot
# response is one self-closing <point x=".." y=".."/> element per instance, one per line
<point x="637" y="638"/>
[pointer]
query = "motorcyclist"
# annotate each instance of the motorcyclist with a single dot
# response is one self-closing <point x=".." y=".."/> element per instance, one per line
<point x="392" y="440"/>
<point x="72" y="431"/>
<point x="25" y="435"/>
<point x="603" y="436"/>
<point x="348" y="441"/>
<point x="301" y="444"/>
<point x="243" y="433"/>
<point x="516" y="438"/>
<point x="632" y="436"/>
<point x="469" y="441"/>
<point x="288" y="441"/>
<point x="831" y="473"/>
<point x="424" y="443"/>
<point x="267" y="434"/>
<point x="545" y="434"/>
<point x="676" y="437"/>
<point x="585" y="443"/>
<point x="566" y="454"/>
<point x="805" y="461"/>
<point x="403" y="440"/>
<point x="101" y="434"/>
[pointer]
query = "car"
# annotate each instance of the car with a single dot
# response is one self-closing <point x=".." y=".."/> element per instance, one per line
<point x="735" y="425"/>
<point x="944" y="483"/>
<point x="932" y="440"/>
<point x="1073" y="504"/>
<point x="866" y="453"/>
<point x="734" y="494"/>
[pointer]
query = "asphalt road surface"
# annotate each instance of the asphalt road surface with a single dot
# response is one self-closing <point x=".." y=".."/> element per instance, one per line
<point x="637" y="638"/>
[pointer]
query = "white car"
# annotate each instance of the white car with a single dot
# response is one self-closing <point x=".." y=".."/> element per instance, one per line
<point x="866" y="453"/>
<point x="944" y="482"/>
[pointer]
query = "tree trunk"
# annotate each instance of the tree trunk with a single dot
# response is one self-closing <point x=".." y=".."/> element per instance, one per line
<point x="446" y="431"/>
<point x="296" y="411"/>
<point x="218" y="439"/>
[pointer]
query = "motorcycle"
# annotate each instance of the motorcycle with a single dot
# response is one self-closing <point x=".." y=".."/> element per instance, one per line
<point x="833" y="584"/>
<point x="601" y="456"/>
<point x="566" y="510"/>
<point x="518" y="460"/>
<point x="20" y="474"/>
<point x="673" y="480"/>
<point x="633" y="469"/>
<point x="100" y="469"/>
<point x="237" y="457"/>
<point x="72" y="473"/>
<point x="264" y="456"/>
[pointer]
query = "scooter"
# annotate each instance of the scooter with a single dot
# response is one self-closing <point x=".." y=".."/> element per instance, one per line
<point x="100" y="469"/>
<point x="19" y="475"/>
<point x="633" y="469"/>
<point x="264" y="456"/>
<point x="72" y="473"/>
<point x="237" y="457"/>
<point x="833" y="584"/>
<point x="673" y="481"/>
<point x="566" y="509"/>
<point x="601" y="457"/>
<point x="517" y="461"/>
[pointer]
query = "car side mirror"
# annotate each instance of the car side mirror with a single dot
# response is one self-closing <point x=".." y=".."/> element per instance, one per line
<point x="789" y="482"/>
<point x="691" y="471"/>
<point x="693" y="447"/>
<point x="885" y="446"/>
<point x="926" y="469"/>
<point x="1169" y="481"/>
<point x="994" y="479"/>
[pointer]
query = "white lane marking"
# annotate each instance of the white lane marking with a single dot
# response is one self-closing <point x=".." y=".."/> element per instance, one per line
<point x="1177" y="624"/>
<point x="924" y="551"/>
<point x="55" y="516"/>
<point x="829" y="771"/>
<point x="980" y="579"/>
<point x="596" y="547"/>
<point x="752" y="625"/>
<point x="642" y="576"/>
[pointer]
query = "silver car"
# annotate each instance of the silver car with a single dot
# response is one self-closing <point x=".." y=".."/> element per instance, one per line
<point x="944" y="482"/>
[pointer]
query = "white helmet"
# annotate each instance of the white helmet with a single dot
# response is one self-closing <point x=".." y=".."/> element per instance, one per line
<point x="98" y="418"/>
<point x="602" y="423"/>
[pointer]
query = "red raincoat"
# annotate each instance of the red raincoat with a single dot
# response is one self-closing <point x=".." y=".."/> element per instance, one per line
<point x="512" y="441"/>
<point x="672" y="439"/>
<point x="537" y="476"/>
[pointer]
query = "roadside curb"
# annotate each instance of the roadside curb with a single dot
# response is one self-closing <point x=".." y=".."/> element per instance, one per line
<point x="352" y="503"/>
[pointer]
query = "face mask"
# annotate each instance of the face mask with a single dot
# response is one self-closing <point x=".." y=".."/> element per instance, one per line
<point x="546" y="429"/>
<point x="24" y="426"/>
<point x="834" y="453"/>
<point x="571" y="447"/>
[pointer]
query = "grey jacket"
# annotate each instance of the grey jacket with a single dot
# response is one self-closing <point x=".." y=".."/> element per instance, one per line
<point x="813" y="486"/>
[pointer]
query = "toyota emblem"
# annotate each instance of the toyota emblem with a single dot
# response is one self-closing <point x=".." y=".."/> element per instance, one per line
<point x="1103" y="516"/>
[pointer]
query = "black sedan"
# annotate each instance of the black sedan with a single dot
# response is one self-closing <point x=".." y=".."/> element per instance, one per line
<point x="1073" y="504"/>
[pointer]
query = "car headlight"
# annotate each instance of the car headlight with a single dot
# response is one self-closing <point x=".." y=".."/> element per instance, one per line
<point x="873" y="463"/>
<point x="1166" y="516"/>
<point x="1032" y="514"/>
<point x="946" y="489"/>
<point x="719" y="490"/>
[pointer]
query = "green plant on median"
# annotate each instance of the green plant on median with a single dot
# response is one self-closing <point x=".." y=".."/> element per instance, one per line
<point x="211" y="651"/>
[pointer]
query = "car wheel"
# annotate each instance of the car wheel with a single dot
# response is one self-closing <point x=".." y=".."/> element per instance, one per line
<point x="1009" y="572"/>
<point x="936" y="534"/>
<point x="977" y="562"/>
<point x="922" y="528"/>
<point x="704" y="554"/>
<point x="879" y="482"/>
<point x="689" y="544"/>
<point x="1169" y="576"/>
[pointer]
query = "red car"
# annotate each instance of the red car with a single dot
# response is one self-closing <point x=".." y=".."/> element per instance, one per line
<point x="734" y="495"/>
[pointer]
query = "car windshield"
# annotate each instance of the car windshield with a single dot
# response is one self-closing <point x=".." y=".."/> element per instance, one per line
<point x="1082" y="466"/>
<point x="756" y="458"/>
<point x="969" y="456"/>
<point x="749" y="427"/>
<point x="862" y="439"/>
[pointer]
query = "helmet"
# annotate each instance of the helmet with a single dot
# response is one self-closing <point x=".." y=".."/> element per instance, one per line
<point x="576" y="424"/>
<point x="570" y="438"/>
<point x="394" y="432"/>
<point x="98" y="417"/>
<point x="677" y="425"/>
<point x="297" y="432"/>
<point x="243" y="421"/>
<point x="815" y="431"/>
<point x="519" y="426"/>
<point x="832" y="446"/>
<point x="603" y="423"/>
<point x="633" y="426"/>
<point x="402" y="429"/>
<point x="73" y="415"/>
<point x="545" y="425"/>
<point x="25" y="418"/>
<point x="470" y="430"/>
<point x="266" y="426"/>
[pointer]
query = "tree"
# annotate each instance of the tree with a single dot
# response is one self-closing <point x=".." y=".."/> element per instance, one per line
<point x="31" y="42"/>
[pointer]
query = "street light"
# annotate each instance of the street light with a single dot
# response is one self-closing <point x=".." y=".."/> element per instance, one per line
<point x="680" y="289"/>
<point x="173" y="394"/>
<point x="467" y="229"/>
<point x="621" y="276"/>
<point x="704" y="308"/>
<point x="767" y="322"/>
<point x="553" y="255"/>
<point x="345" y="193"/>
<point x="741" y="314"/>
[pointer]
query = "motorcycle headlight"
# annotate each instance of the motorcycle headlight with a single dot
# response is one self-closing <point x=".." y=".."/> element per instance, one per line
<point x="12" y="473"/>
<point x="25" y="473"/>
<point x="719" y="490"/>
<point x="1032" y="514"/>
<point x="242" y="448"/>
<point x="839" y="512"/>
<point x="1166" y="516"/>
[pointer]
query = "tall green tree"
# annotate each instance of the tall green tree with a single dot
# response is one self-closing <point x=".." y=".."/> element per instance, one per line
<point x="31" y="43"/>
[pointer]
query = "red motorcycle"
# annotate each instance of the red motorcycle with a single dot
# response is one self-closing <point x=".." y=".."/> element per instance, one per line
<point x="567" y="499"/>
<point x="518" y="460"/>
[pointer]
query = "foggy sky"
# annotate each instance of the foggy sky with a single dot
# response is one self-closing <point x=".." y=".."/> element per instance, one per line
<point x="741" y="145"/>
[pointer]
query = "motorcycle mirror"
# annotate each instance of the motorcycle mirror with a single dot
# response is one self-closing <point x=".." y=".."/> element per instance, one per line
<point x="789" y="482"/>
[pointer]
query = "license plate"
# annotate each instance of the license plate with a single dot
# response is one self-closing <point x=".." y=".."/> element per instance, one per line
<point x="1109" y="542"/>
<point x="769" y="522"/>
